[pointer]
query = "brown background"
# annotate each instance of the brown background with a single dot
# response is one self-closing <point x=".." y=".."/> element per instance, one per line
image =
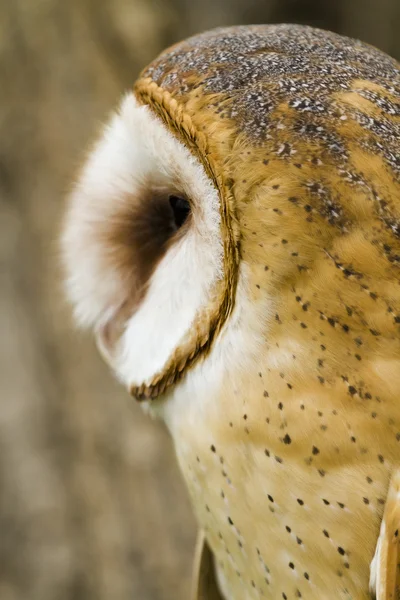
<point x="91" y="503"/>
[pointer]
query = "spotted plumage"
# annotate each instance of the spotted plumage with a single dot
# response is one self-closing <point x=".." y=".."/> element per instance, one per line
<point x="281" y="390"/>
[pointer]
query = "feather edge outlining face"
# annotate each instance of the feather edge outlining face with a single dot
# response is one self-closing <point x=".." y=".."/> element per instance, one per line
<point x="142" y="223"/>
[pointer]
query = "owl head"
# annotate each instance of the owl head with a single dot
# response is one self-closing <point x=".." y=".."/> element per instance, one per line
<point x="143" y="246"/>
<point x="223" y="185"/>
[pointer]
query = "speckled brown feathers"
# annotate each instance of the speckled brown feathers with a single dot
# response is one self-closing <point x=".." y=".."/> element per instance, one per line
<point x="290" y="464"/>
<point x="319" y="110"/>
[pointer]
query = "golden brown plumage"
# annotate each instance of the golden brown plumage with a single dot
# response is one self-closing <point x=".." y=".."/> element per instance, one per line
<point x="288" y="453"/>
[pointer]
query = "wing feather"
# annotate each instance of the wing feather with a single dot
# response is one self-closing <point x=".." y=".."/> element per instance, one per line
<point x="204" y="585"/>
<point x="385" y="567"/>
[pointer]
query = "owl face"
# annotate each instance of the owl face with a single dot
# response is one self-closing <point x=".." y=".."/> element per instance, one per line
<point x="141" y="243"/>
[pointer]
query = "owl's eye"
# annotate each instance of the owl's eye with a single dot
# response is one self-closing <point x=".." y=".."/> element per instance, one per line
<point x="180" y="208"/>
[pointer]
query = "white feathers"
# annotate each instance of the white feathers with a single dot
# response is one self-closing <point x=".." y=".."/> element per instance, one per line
<point x="375" y="567"/>
<point x="136" y="152"/>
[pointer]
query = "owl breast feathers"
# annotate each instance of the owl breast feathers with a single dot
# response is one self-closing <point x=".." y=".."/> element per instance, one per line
<point x="234" y="240"/>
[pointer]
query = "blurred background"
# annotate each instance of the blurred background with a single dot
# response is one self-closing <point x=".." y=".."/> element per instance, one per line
<point x="91" y="502"/>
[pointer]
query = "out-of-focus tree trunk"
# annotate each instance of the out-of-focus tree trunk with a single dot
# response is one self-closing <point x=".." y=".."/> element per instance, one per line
<point x="91" y="503"/>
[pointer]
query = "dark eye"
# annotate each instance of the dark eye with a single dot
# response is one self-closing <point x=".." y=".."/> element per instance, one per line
<point x="180" y="208"/>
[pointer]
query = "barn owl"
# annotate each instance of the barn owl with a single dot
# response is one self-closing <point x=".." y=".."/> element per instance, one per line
<point x="233" y="240"/>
